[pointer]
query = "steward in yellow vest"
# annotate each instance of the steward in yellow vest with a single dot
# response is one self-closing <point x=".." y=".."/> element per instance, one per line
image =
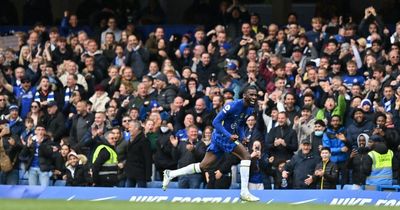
<point x="105" y="163"/>
<point x="382" y="163"/>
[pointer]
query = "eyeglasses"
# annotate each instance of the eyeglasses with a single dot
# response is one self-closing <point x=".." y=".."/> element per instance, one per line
<point x="26" y="81"/>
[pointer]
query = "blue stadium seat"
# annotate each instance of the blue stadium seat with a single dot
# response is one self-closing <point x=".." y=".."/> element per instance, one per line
<point x="23" y="182"/>
<point x="60" y="183"/>
<point x="154" y="184"/>
<point x="395" y="188"/>
<point x="235" y="186"/>
<point x="352" y="187"/>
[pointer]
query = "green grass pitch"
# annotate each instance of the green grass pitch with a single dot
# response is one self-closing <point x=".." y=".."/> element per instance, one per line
<point x="122" y="205"/>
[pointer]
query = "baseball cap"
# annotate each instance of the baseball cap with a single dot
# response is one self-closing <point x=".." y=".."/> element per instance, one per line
<point x="154" y="103"/>
<point x="306" y="141"/>
<point x="231" y="65"/>
<point x="52" y="103"/>
<point x="12" y="107"/>
<point x="335" y="61"/>
<point x="25" y="79"/>
<point x="161" y="77"/>
<point x="213" y="77"/>
<point x="226" y="46"/>
<point x="376" y="138"/>
<point x="72" y="153"/>
<point x="228" y="90"/>
<point x="297" y="49"/>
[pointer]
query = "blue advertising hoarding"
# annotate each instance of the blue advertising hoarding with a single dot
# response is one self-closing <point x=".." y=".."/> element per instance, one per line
<point x="295" y="197"/>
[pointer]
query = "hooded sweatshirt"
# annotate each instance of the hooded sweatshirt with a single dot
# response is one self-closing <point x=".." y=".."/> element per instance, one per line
<point x="359" y="163"/>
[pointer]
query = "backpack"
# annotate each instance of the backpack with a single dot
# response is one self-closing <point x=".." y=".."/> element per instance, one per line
<point x="5" y="163"/>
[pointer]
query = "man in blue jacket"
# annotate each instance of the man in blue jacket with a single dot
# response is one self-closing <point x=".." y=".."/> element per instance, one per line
<point x="335" y="139"/>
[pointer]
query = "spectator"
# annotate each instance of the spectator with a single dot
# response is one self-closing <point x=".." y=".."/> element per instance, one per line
<point x="304" y="125"/>
<point x="72" y="79"/>
<point x="165" y="92"/>
<point x="359" y="125"/>
<point x="45" y="93"/>
<point x="282" y="141"/>
<point x="389" y="134"/>
<point x="23" y="94"/>
<point x="38" y="152"/>
<point x="11" y="147"/>
<point x="139" y="158"/>
<point x="99" y="99"/>
<point x="316" y="136"/>
<point x="258" y="166"/>
<point x="55" y="122"/>
<point x="301" y="167"/>
<point x="163" y="156"/>
<point x="81" y="123"/>
<point x="15" y="124"/>
<point x="36" y="113"/>
<point x="326" y="172"/>
<point x="332" y="108"/>
<point x="186" y="152"/>
<point x="136" y="56"/>
<point x="112" y="27"/>
<point x="76" y="175"/>
<point x="358" y="161"/>
<point x="335" y="139"/>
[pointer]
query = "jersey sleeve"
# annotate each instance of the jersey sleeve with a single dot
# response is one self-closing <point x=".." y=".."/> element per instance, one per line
<point x="218" y="121"/>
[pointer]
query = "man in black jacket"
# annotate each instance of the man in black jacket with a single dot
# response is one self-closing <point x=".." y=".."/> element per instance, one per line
<point x="138" y="158"/>
<point x="282" y="140"/>
<point x="55" y="122"/>
<point x="80" y="125"/>
<point x="358" y="160"/>
<point x="165" y="92"/>
<point x="163" y="156"/>
<point x="38" y="152"/>
<point x="301" y="167"/>
<point x="326" y="172"/>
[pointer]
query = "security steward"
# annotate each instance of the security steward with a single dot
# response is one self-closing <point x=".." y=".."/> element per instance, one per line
<point x="383" y="165"/>
<point x="105" y="163"/>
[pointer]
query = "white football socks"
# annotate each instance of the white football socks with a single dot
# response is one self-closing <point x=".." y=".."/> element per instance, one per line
<point x="244" y="175"/>
<point x="189" y="169"/>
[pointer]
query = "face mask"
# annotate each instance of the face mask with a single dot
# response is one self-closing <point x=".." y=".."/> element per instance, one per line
<point x="164" y="129"/>
<point x="319" y="133"/>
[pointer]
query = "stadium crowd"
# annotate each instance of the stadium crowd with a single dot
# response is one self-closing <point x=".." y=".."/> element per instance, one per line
<point x="102" y="109"/>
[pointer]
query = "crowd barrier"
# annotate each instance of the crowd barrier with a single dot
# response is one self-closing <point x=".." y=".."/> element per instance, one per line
<point x="294" y="197"/>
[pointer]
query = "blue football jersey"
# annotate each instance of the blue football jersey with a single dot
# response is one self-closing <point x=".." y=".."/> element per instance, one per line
<point x="232" y="118"/>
